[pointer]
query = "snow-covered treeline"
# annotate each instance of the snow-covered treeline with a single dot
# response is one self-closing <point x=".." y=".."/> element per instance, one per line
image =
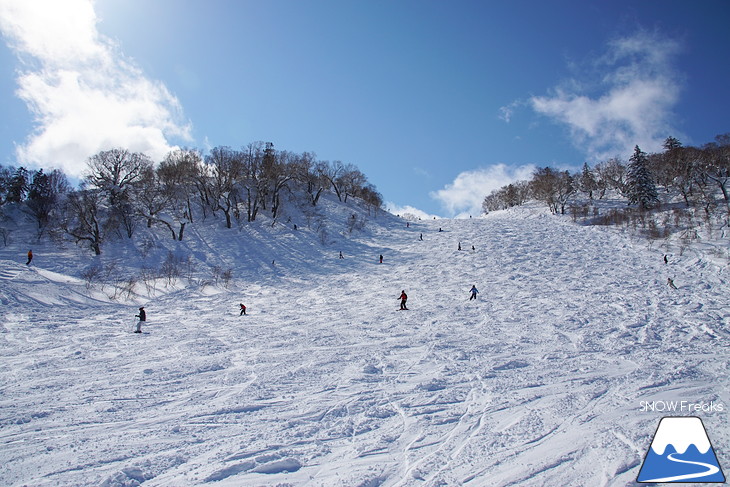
<point x="122" y="190"/>
<point x="696" y="176"/>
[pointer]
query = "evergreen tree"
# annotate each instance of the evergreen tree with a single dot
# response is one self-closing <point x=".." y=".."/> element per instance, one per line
<point x="18" y="186"/>
<point x="671" y="143"/>
<point x="640" y="187"/>
<point x="43" y="195"/>
<point x="587" y="181"/>
<point x="40" y="198"/>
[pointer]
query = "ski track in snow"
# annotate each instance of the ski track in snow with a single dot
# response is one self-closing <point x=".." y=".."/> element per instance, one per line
<point x="323" y="383"/>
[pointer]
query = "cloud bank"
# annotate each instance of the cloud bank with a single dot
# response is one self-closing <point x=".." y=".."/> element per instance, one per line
<point x="464" y="196"/>
<point x="408" y="211"/>
<point x="85" y="96"/>
<point x="631" y="103"/>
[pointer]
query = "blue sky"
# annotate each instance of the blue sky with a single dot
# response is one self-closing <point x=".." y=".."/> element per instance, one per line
<point x="437" y="102"/>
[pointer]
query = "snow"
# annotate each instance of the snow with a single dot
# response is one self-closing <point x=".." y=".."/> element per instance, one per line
<point x="324" y="383"/>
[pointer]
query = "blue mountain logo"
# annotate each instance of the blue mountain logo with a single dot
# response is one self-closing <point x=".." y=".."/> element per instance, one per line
<point x="681" y="452"/>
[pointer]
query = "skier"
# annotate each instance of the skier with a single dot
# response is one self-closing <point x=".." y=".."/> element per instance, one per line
<point x="142" y="317"/>
<point x="243" y="309"/>
<point x="381" y="258"/>
<point x="403" y="298"/>
<point x="341" y="256"/>
<point x="421" y="238"/>
<point x="473" y="292"/>
<point x="670" y="283"/>
<point x="30" y="257"/>
<point x="666" y="260"/>
<point x="459" y="245"/>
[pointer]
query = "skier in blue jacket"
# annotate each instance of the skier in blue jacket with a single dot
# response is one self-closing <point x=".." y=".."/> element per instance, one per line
<point x="473" y="292"/>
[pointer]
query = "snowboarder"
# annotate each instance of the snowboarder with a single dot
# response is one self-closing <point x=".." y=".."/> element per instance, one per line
<point x="30" y="257"/>
<point x="670" y="283"/>
<point x="421" y="238"/>
<point x="403" y="298"/>
<point x="472" y="247"/>
<point x="381" y="258"/>
<point x="243" y="309"/>
<point x="142" y="317"/>
<point x="473" y="292"/>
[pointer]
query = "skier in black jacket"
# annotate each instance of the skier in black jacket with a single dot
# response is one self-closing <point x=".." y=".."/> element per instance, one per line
<point x="142" y="317"/>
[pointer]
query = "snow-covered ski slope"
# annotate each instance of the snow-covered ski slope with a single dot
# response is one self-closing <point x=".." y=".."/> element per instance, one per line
<point x="539" y="382"/>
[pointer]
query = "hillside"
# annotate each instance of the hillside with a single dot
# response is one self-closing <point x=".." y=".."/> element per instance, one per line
<point x="540" y="381"/>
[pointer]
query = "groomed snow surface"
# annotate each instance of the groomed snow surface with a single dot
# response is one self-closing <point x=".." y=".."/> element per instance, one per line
<point x="539" y="382"/>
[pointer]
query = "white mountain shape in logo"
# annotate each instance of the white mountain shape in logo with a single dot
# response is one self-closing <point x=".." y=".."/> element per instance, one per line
<point x="680" y="433"/>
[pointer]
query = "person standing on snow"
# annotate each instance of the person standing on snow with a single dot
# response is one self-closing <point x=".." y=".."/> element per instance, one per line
<point x="403" y="298"/>
<point x="243" y="309"/>
<point x="473" y="292"/>
<point x="30" y="257"/>
<point x="142" y="317"/>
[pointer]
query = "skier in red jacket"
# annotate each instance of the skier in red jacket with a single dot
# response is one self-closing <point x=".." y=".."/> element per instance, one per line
<point x="403" y="299"/>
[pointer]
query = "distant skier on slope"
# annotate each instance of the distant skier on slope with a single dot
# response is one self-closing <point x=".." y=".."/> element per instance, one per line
<point x="473" y="292"/>
<point x="142" y="317"/>
<point x="381" y="258"/>
<point x="30" y="257"/>
<point x="403" y="298"/>
<point x="670" y="283"/>
<point x="243" y="309"/>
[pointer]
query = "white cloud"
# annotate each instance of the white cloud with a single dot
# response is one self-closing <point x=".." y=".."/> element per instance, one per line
<point x="84" y="94"/>
<point x="506" y="112"/>
<point x="464" y="196"/>
<point x="409" y="210"/>
<point x="633" y="105"/>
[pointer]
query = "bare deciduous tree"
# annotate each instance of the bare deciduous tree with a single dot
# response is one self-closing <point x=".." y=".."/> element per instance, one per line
<point x="114" y="171"/>
<point x="552" y="187"/>
<point x="225" y="169"/>
<point x="86" y="218"/>
<point x="179" y="174"/>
